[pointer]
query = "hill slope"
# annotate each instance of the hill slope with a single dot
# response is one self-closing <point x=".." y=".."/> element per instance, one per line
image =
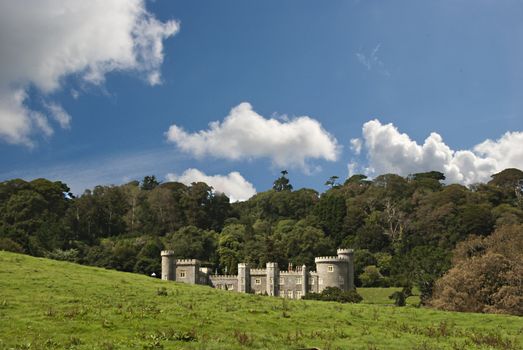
<point x="46" y="304"/>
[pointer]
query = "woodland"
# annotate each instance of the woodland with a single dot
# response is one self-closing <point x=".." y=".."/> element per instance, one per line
<point x="461" y="247"/>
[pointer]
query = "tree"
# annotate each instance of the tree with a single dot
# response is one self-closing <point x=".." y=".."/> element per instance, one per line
<point x="486" y="275"/>
<point x="282" y="183"/>
<point x="421" y="266"/>
<point x="190" y="242"/>
<point x="371" y="277"/>
<point x="149" y="182"/>
<point x="332" y="181"/>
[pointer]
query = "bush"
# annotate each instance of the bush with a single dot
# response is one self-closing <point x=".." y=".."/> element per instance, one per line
<point x="9" y="245"/>
<point x="335" y="294"/>
<point x="399" y="298"/>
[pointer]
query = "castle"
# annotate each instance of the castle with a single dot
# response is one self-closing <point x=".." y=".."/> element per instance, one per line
<point x="331" y="271"/>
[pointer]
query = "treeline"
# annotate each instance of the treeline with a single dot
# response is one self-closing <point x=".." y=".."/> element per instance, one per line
<point x="404" y="229"/>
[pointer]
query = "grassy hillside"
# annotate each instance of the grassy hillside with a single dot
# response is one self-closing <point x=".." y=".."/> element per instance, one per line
<point x="47" y="304"/>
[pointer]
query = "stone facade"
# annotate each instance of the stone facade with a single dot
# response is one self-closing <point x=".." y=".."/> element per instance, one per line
<point x="331" y="271"/>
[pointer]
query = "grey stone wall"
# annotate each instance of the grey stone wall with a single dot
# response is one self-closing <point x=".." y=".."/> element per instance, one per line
<point x="225" y="282"/>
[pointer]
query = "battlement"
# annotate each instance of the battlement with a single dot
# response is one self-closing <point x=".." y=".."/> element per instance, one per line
<point x="187" y="262"/>
<point x="333" y="259"/>
<point x="167" y="253"/>
<point x="223" y="276"/>
<point x="344" y="251"/>
<point x="272" y="264"/>
<point x="258" y="271"/>
<point x="290" y="273"/>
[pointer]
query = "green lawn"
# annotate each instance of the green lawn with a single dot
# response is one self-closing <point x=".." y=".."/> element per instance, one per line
<point x="47" y="304"/>
<point x="380" y="296"/>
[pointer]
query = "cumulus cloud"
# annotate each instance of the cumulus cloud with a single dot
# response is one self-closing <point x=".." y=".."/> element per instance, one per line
<point x="244" y="134"/>
<point x="233" y="185"/>
<point x="44" y="41"/>
<point x="390" y="151"/>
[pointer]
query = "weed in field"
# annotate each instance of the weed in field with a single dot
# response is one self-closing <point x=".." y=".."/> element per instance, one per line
<point x="162" y="291"/>
<point x="494" y="340"/>
<point x="243" y="338"/>
<point x="73" y="341"/>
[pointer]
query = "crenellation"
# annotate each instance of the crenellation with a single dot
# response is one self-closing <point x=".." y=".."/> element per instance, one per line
<point x="187" y="261"/>
<point x="223" y="276"/>
<point x="330" y="258"/>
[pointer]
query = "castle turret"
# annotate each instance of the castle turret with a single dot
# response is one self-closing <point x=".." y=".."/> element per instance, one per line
<point x="273" y="279"/>
<point x="349" y="255"/>
<point x="168" y="265"/>
<point x="333" y="271"/>
<point x="244" y="278"/>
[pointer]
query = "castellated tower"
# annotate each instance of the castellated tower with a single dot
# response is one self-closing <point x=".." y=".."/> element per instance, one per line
<point x="188" y="270"/>
<point x="273" y="279"/>
<point x="168" y="265"/>
<point x="333" y="271"/>
<point x="244" y="278"/>
<point x="349" y="254"/>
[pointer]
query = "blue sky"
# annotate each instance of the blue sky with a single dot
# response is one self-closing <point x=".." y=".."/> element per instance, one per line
<point x="454" y="68"/>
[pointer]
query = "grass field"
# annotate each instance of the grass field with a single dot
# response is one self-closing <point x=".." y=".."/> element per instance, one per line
<point x="47" y="304"/>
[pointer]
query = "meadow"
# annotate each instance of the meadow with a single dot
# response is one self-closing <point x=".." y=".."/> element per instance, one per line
<point x="47" y="304"/>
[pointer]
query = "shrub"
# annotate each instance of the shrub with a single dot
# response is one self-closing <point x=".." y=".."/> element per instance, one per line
<point x="9" y="245"/>
<point x="335" y="294"/>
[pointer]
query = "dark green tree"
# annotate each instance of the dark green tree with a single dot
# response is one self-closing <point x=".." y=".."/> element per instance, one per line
<point x="282" y="183"/>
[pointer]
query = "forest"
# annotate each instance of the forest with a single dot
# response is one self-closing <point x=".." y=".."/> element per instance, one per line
<point x="462" y="247"/>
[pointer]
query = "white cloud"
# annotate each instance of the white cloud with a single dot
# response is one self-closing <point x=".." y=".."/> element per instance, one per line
<point x="59" y="114"/>
<point x="233" y="185"/>
<point x="355" y="145"/>
<point x="244" y="134"/>
<point x="389" y="151"/>
<point x="372" y="61"/>
<point x="43" y="41"/>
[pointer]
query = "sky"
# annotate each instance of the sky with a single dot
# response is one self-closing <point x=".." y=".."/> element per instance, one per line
<point x="232" y="92"/>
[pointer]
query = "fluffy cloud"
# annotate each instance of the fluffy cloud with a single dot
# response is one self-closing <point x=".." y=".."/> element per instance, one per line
<point x="43" y="41"/>
<point x="389" y="151"/>
<point x="233" y="184"/>
<point x="244" y="134"/>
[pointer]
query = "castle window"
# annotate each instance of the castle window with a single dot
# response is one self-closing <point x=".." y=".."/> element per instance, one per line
<point x="230" y="287"/>
<point x="298" y="280"/>
<point x="182" y="274"/>
<point x="312" y="281"/>
<point x="290" y="294"/>
<point x="271" y="280"/>
<point x="330" y="268"/>
<point x="341" y="280"/>
<point x="298" y="294"/>
<point x="320" y="280"/>
<point x="282" y="280"/>
<point x="257" y="281"/>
